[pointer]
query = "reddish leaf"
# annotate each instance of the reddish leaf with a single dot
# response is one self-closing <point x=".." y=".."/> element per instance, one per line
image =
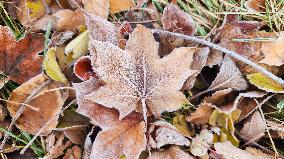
<point x="19" y="60"/>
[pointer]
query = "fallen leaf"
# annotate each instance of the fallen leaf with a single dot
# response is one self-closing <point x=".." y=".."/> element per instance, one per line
<point x="255" y="5"/>
<point x="97" y="7"/>
<point x="73" y="153"/>
<point x="174" y="152"/>
<point x="180" y="123"/>
<point x="246" y="103"/>
<point x="258" y="152"/>
<point x="273" y="51"/>
<point x="78" y="46"/>
<point x="55" y="146"/>
<point x="48" y="103"/>
<point x="3" y="81"/>
<point x="83" y="68"/>
<point x="229" y="76"/>
<point x="69" y="20"/>
<point x="176" y="20"/>
<point x="51" y="66"/>
<point x="254" y="127"/>
<point x="20" y="60"/>
<point x="229" y="152"/>
<point x="117" y="136"/>
<point x="137" y="79"/>
<point x="163" y="133"/>
<point x="201" y="115"/>
<point x="200" y="143"/>
<point x="36" y="9"/>
<point x="119" y="6"/>
<point x="265" y="83"/>
<point x="100" y="29"/>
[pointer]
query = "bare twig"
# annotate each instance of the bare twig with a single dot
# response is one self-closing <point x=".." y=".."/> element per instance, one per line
<point x="224" y="50"/>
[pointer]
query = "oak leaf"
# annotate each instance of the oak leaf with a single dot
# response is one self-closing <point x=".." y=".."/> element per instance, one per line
<point x="137" y="79"/>
<point x="48" y="103"/>
<point x="20" y="60"/>
<point x="117" y="136"/>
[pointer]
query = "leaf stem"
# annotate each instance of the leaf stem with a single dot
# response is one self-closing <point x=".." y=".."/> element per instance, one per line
<point x="224" y="50"/>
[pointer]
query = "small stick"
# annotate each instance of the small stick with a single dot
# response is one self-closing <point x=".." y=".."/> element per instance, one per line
<point x="224" y="50"/>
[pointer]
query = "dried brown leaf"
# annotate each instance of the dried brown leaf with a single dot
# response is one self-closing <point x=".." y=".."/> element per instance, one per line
<point x="255" y="5"/>
<point x="201" y="115"/>
<point x="229" y="76"/>
<point x="246" y="103"/>
<point x="164" y="133"/>
<point x="231" y="152"/>
<point x="20" y="60"/>
<point x="69" y="20"/>
<point x="49" y="105"/>
<point x="137" y="79"/>
<point x="97" y="7"/>
<point x="176" y="20"/>
<point x="117" y="136"/>
<point x="173" y="152"/>
<point x="254" y="127"/>
<point x="73" y="153"/>
<point x="273" y="51"/>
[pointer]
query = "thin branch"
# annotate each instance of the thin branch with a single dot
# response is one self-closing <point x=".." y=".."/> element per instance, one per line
<point x="224" y="50"/>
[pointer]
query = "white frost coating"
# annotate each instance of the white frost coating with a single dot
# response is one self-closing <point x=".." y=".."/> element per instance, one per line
<point x="138" y="73"/>
<point x="166" y="134"/>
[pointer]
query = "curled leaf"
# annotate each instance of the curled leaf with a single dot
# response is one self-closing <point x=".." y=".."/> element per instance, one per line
<point x="79" y="46"/>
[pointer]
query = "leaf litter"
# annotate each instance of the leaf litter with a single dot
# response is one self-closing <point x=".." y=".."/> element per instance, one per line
<point x="148" y="80"/>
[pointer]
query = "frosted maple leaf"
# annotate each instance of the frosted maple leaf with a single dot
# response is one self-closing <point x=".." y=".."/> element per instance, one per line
<point x="137" y="79"/>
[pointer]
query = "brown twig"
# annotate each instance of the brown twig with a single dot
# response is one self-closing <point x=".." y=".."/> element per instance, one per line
<point x="224" y="50"/>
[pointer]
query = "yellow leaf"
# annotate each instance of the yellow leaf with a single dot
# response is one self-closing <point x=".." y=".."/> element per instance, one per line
<point x="180" y="123"/>
<point x="119" y="6"/>
<point x="265" y="83"/>
<point x="52" y="68"/>
<point x="36" y="9"/>
<point x="78" y="46"/>
<point x="229" y="136"/>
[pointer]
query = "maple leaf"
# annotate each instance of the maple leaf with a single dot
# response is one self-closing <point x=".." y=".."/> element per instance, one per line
<point x="117" y="137"/>
<point x="137" y="79"/>
<point x="19" y="60"/>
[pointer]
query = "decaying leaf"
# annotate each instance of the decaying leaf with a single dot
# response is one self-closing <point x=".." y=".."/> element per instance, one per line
<point x="51" y="66"/>
<point x="173" y="152"/>
<point x="200" y="143"/>
<point x="273" y="51"/>
<point x="176" y="20"/>
<point x="164" y="134"/>
<point x="229" y="76"/>
<point x="83" y="68"/>
<point x="265" y="83"/>
<point x="97" y="7"/>
<point x="137" y="79"/>
<point x="119" y="6"/>
<point x="182" y="126"/>
<point x="36" y="9"/>
<point x="228" y="151"/>
<point x="48" y="103"/>
<point x="201" y="115"/>
<point x="117" y="136"/>
<point x="254" y="127"/>
<point x="20" y="60"/>
<point x="78" y="46"/>
<point x="55" y="146"/>
<point x="255" y="5"/>
<point x="73" y="153"/>
<point x="69" y="20"/>
<point x="246" y="103"/>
